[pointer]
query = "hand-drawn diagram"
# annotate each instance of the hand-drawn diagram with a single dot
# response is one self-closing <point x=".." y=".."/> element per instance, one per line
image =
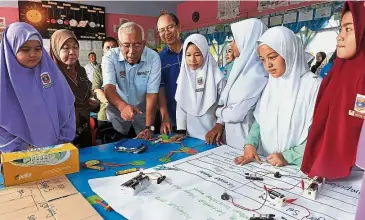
<point x="186" y="150"/>
<point x="194" y="191"/>
<point x="49" y="199"/>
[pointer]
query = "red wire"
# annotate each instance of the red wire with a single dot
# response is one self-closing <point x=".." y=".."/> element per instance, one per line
<point x="291" y="201"/>
<point x="283" y="188"/>
<point x="309" y="213"/>
<point x="244" y="208"/>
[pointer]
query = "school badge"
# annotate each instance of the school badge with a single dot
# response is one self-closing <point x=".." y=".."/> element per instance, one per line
<point x="199" y="81"/>
<point x="122" y="74"/>
<point x="46" y="80"/>
<point x="360" y="103"/>
<point x="359" y="108"/>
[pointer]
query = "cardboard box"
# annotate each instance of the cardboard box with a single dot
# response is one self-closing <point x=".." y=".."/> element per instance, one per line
<point x="49" y="199"/>
<point x="36" y="164"/>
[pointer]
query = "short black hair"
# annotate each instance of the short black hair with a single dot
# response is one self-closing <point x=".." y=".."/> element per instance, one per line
<point x="108" y="39"/>
<point x="91" y="53"/>
<point x="172" y="16"/>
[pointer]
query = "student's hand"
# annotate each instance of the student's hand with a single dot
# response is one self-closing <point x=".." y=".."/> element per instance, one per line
<point x="166" y="127"/>
<point x="145" y="134"/>
<point x="214" y="135"/>
<point x="248" y="156"/>
<point x="129" y="112"/>
<point x="276" y="159"/>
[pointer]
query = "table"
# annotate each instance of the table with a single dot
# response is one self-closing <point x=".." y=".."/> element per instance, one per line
<point x="106" y="153"/>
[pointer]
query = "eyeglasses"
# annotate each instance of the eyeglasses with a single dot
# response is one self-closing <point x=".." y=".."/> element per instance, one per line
<point x="128" y="46"/>
<point x="110" y="47"/>
<point x="169" y="28"/>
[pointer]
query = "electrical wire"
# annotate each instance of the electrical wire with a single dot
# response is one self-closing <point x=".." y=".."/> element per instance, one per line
<point x="291" y="201"/>
<point x="309" y="213"/>
<point x="230" y="200"/>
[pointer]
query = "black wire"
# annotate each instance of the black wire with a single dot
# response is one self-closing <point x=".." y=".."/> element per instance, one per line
<point x="266" y="173"/>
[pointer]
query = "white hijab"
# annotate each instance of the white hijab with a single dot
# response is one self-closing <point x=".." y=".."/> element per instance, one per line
<point x="248" y="77"/>
<point x="286" y="107"/>
<point x="309" y="57"/>
<point x="206" y="78"/>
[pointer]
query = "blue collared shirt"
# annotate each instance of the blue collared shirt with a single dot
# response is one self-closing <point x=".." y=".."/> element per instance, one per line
<point x="132" y="82"/>
<point x="170" y="69"/>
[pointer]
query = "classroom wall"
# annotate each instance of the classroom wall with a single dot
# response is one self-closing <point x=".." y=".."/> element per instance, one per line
<point x="208" y="12"/>
<point x="141" y="8"/>
<point x="9" y="10"/>
<point x="11" y="14"/>
<point x="148" y="23"/>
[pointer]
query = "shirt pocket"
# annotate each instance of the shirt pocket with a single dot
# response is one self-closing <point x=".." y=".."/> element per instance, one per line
<point x="141" y="83"/>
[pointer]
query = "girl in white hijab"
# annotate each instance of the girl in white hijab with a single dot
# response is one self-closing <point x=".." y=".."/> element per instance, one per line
<point x="199" y="85"/>
<point x="244" y="86"/>
<point x="284" y="113"/>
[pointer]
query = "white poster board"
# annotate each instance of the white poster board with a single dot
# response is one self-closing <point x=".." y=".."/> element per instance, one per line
<point x="194" y="191"/>
<point x="305" y="15"/>
<point x="276" y="20"/>
<point x="323" y="12"/>
<point x="290" y="18"/>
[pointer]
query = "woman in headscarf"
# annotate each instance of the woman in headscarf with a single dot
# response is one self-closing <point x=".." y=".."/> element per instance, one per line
<point x="320" y="62"/>
<point x="244" y="86"/>
<point x="334" y="135"/>
<point x="328" y="66"/>
<point x="230" y="61"/>
<point x="36" y="103"/>
<point x="65" y="53"/>
<point x="284" y="112"/>
<point x="199" y="85"/>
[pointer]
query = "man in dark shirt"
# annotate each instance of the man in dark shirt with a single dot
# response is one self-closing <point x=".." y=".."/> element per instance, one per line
<point x="168" y="27"/>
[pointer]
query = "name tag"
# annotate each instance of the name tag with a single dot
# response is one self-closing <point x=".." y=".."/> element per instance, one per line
<point x="144" y="73"/>
<point x="359" y="107"/>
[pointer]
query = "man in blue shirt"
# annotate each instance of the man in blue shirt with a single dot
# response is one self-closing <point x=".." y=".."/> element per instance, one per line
<point x="168" y="27"/>
<point x="131" y="75"/>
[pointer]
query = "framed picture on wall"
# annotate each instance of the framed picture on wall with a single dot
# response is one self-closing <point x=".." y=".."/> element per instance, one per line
<point x="1" y="34"/>
<point x="86" y="21"/>
<point x="2" y="22"/>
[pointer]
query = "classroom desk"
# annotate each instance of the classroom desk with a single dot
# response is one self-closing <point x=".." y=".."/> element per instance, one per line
<point x="106" y="153"/>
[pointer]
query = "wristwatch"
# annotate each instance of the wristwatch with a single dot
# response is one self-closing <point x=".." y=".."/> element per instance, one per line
<point x="151" y="128"/>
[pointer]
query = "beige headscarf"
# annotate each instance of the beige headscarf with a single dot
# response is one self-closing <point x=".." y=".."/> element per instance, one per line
<point x="75" y="73"/>
<point x="58" y="38"/>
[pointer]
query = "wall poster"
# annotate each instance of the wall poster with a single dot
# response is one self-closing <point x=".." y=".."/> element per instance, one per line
<point x="86" y="21"/>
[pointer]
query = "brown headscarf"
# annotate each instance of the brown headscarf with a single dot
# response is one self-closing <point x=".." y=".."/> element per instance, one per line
<point x="79" y="84"/>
